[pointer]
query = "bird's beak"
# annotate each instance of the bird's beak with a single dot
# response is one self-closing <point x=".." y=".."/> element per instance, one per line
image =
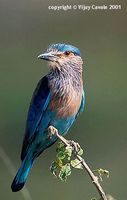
<point x="47" y="56"/>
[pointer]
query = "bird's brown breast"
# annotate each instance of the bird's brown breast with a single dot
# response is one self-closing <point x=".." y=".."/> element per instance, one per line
<point x="66" y="106"/>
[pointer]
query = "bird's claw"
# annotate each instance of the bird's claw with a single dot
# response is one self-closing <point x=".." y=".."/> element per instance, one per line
<point x="76" y="147"/>
<point x="52" y="131"/>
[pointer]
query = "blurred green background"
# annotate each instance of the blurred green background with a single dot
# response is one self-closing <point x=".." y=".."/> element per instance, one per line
<point x="26" y="29"/>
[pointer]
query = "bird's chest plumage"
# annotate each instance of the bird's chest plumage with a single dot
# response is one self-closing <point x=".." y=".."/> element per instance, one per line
<point x="66" y="100"/>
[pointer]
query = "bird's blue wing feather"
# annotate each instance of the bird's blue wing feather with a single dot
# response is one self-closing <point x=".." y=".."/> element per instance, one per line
<point x="82" y="102"/>
<point x="39" y="103"/>
<point x="81" y="109"/>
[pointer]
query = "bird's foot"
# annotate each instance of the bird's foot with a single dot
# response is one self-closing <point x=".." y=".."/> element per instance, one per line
<point x="76" y="147"/>
<point x="52" y="131"/>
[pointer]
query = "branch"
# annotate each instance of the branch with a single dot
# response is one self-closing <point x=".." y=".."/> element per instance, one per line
<point x="53" y="131"/>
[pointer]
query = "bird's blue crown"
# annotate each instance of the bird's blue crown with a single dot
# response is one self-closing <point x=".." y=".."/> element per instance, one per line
<point x="65" y="47"/>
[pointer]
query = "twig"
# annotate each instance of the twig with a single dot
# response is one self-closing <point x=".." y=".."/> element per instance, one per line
<point x="8" y="163"/>
<point x="94" y="178"/>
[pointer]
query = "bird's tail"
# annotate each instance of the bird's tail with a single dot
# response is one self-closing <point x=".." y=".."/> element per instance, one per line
<point x="21" y="176"/>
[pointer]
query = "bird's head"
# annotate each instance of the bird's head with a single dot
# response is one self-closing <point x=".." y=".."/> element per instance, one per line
<point x="62" y="56"/>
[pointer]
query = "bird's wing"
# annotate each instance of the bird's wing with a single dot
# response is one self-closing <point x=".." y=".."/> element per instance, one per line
<point x="82" y="102"/>
<point x="81" y="109"/>
<point x="38" y="105"/>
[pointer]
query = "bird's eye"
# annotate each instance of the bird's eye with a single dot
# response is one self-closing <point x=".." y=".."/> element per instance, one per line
<point x="67" y="53"/>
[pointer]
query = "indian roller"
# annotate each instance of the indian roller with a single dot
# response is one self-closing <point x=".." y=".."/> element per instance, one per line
<point x="57" y="101"/>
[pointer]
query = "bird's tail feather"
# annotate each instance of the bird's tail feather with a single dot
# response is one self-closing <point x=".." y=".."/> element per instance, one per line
<point x="21" y="176"/>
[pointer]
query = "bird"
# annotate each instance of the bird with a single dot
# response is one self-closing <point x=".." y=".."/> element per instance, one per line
<point x="57" y="101"/>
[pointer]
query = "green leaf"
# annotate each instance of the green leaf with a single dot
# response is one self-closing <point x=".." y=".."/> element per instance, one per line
<point x="106" y="172"/>
<point x="68" y="151"/>
<point x="60" y="155"/>
<point x="53" y="168"/>
<point x="102" y="172"/>
<point x="76" y="164"/>
<point x="61" y="167"/>
<point x="60" y="147"/>
<point x="64" y="172"/>
<point x="59" y="162"/>
<point x="80" y="152"/>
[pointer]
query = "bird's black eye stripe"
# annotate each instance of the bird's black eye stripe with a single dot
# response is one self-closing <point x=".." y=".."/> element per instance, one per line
<point x="67" y="53"/>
